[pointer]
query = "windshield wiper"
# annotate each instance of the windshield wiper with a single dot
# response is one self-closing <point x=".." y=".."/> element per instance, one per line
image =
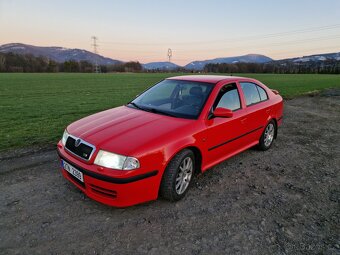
<point x="137" y="106"/>
<point x="161" y="112"/>
<point x="153" y="110"/>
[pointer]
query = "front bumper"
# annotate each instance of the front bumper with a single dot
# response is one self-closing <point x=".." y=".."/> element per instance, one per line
<point x="138" y="186"/>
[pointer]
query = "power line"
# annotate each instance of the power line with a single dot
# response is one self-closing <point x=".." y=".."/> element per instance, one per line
<point x="251" y="40"/>
<point x="234" y="39"/>
<point x="266" y="45"/>
<point x="250" y="47"/>
<point x="299" y="31"/>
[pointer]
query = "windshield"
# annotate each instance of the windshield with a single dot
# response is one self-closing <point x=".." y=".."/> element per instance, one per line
<point x="177" y="98"/>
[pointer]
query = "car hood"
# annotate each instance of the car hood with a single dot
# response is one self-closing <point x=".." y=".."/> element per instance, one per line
<point x="125" y="130"/>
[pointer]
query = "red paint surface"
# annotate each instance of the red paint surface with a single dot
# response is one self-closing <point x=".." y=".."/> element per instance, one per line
<point x="154" y="139"/>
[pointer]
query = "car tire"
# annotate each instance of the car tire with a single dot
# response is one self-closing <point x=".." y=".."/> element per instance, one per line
<point x="268" y="136"/>
<point x="178" y="175"/>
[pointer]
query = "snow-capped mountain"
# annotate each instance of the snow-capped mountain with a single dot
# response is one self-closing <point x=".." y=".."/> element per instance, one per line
<point x="250" y="58"/>
<point x="160" y="66"/>
<point x="315" y="58"/>
<point x="58" y="54"/>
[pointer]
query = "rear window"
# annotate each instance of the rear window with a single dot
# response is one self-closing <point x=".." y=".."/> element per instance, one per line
<point x="263" y="94"/>
<point x="251" y="93"/>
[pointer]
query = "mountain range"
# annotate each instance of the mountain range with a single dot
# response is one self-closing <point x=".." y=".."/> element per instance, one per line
<point x="61" y="54"/>
<point x="313" y="58"/>
<point x="58" y="54"/>
<point x="160" y="66"/>
<point x="250" y="58"/>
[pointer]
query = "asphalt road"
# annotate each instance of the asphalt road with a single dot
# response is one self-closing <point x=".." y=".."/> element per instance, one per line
<point x="282" y="201"/>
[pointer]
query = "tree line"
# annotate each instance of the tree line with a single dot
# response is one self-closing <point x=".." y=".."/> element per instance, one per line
<point x="10" y="62"/>
<point x="280" y="67"/>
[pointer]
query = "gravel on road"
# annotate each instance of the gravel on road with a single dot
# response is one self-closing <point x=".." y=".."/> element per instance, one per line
<point x="282" y="201"/>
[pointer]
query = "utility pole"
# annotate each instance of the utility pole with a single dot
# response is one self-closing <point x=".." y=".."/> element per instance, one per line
<point x="95" y="51"/>
<point x="169" y="54"/>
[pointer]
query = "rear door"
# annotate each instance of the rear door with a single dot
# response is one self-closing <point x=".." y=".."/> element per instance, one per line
<point x="258" y="109"/>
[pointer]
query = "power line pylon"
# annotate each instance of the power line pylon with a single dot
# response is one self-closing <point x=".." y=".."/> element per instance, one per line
<point x="169" y="54"/>
<point x="95" y="51"/>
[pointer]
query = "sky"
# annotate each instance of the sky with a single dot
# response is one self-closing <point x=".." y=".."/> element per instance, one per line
<point x="144" y="30"/>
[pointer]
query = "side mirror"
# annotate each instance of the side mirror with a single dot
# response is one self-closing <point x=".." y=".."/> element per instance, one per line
<point x="223" y="112"/>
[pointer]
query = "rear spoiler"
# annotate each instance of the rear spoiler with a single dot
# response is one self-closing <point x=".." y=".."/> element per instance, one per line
<point x="275" y="91"/>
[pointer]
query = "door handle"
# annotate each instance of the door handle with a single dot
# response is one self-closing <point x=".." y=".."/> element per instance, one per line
<point x="243" y="120"/>
<point x="268" y="111"/>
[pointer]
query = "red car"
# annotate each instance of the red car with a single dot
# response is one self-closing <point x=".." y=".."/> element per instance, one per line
<point x="153" y="145"/>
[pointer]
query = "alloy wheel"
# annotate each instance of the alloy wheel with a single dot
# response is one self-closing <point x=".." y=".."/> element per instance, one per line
<point x="184" y="175"/>
<point x="269" y="134"/>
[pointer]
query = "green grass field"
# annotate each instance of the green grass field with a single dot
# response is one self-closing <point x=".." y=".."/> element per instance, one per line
<point x="35" y="108"/>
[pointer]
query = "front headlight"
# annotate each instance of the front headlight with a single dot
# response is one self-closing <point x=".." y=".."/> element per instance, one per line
<point x="116" y="161"/>
<point x="64" y="138"/>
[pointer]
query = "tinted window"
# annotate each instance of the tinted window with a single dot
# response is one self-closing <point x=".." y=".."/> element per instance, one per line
<point x="263" y="94"/>
<point x="229" y="98"/>
<point x="250" y="92"/>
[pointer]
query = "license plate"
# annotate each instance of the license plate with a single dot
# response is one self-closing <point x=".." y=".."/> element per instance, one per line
<point x="75" y="172"/>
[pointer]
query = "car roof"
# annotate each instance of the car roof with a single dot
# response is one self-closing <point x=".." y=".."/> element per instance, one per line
<point x="206" y="78"/>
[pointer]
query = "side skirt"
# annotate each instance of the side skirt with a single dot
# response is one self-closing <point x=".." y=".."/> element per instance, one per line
<point x="206" y="167"/>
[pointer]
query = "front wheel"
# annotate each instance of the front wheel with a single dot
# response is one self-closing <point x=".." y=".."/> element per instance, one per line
<point x="178" y="176"/>
<point x="268" y="135"/>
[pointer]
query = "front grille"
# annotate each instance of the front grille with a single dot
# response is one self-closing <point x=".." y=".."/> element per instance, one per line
<point x="104" y="192"/>
<point x="82" y="150"/>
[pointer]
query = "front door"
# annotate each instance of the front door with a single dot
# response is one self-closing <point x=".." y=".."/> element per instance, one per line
<point x="222" y="135"/>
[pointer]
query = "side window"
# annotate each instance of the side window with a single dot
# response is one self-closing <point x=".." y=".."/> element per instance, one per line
<point x="250" y="92"/>
<point x="228" y="98"/>
<point x="262" y="92"/>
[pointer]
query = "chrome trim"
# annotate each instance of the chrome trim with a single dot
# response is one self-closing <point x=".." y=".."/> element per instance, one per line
<point x="82" y="142"/>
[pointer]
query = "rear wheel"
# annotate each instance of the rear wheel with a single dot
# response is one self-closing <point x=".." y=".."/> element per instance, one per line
<point x="178" y="176"/>
<point x="268" y="136"/>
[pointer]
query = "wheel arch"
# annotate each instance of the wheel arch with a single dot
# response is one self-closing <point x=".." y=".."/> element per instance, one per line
<point x="276" y="127"/>
<point x="272" y="118"/>
<point x="198" y="156"/>
<point x="164" y="179"/>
